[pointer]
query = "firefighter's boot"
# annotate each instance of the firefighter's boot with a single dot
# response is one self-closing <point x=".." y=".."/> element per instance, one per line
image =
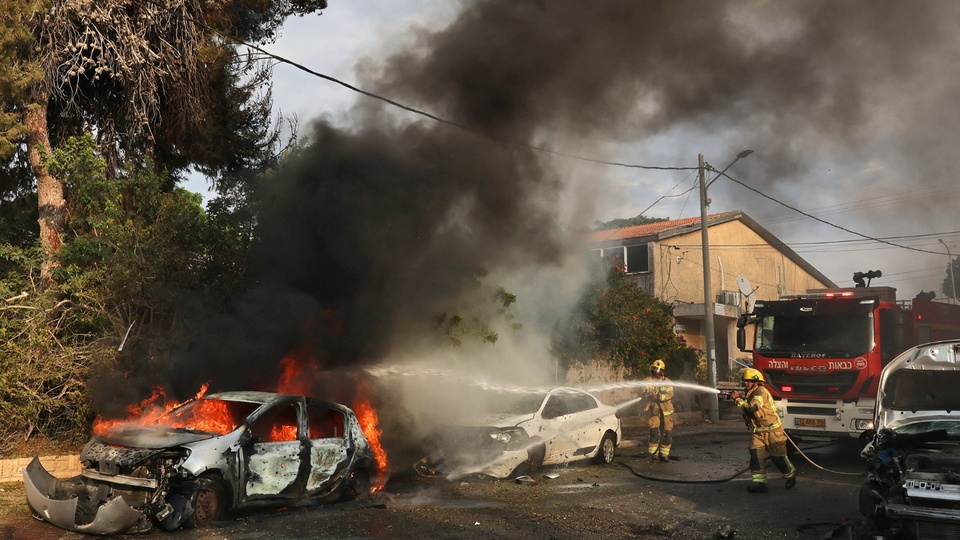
<point x="757" y="487"/>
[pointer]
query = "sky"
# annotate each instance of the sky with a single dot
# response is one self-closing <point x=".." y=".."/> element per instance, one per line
<point x="850" y="112"/>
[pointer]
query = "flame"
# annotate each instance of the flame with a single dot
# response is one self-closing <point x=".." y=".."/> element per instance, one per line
<point x="150" y="411"/>
<point x="369" y="424"/>
<point x="296" y="376"/>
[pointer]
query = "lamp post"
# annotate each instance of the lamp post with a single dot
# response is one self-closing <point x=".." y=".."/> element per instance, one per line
<point x="713" y="405"/>
<point x="953" y="282"/>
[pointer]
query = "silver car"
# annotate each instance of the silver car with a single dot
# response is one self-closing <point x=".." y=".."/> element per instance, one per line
<point x="224" y="451"/>
<point x="519" y="432"/>
<point x="913" y="458"/>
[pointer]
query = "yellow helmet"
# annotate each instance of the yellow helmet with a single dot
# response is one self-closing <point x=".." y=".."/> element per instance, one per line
<point x="658" y="366"/>
<point x="752" y="375"/>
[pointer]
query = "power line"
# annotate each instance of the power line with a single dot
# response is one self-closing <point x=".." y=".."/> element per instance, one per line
<point x="815" y="218"/>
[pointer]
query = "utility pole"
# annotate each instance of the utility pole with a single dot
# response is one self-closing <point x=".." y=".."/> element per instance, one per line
<point x="713" y="404"/>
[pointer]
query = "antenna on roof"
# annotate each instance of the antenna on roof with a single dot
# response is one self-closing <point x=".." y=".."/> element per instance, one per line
<point x="747" y="291"/>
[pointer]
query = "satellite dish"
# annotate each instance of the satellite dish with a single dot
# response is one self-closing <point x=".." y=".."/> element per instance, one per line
<point x="746" y="290"/>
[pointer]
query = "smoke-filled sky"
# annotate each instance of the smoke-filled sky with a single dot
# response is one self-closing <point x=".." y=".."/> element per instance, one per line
<point x="849" y="107"/>
<point x="389" y="218"/>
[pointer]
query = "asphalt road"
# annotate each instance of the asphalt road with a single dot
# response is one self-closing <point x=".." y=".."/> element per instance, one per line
<point x="701" y="494"/>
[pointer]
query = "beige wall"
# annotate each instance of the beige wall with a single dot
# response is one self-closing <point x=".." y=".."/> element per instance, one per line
<point x="735" y="250"/>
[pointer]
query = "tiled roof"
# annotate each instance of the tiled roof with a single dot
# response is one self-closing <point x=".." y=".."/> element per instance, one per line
<point x="648" y="229"/>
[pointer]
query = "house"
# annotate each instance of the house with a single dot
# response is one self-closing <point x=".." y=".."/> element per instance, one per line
<point x="666" y="259"/>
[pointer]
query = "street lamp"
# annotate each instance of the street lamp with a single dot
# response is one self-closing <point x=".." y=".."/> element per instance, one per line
<point x="953" y="282"/>
<point x="713" y="405"/>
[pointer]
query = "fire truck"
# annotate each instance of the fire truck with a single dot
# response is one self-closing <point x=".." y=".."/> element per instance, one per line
<point x="822" y="352"/>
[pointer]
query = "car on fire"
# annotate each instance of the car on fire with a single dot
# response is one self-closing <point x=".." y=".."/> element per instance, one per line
<point x="913" y="456"/>
<point x="518" y="432"/>
<point x="224" y="451"/>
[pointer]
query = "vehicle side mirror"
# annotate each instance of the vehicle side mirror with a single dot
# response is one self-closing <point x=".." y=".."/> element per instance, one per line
<point x="742" y="340"/>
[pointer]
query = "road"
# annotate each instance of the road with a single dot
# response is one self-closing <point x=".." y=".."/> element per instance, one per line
<point x="701" y="494"/>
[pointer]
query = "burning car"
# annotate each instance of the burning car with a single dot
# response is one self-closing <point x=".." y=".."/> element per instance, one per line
<point x="518" y="432"/>
<point x="197" y="461"/>
<point x="913" y="460"/>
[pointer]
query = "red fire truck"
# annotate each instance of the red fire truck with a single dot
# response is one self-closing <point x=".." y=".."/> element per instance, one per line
<point x="822" y="352"/>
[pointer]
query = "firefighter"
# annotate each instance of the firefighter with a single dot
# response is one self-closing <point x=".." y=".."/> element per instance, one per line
<point x="768" y="435"/>
<point x="658" y="404"/>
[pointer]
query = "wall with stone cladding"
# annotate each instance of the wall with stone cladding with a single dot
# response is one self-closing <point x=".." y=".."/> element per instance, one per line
<point x="11" y="470"/>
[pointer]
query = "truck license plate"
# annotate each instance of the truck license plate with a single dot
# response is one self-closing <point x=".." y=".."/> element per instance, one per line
<point x="810" y="422"/>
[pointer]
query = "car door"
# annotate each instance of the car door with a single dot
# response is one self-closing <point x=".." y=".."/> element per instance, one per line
<point x="553" y="423"/>
<point x="272" y="456"/>
<point x="330" y="447"/>
<point x="572" y="431"/>
<point x="584" y="427"/>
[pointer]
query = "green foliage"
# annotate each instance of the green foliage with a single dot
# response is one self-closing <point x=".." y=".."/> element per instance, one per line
<point x="19" y="72"/>
<point x="132" y="238"/>
<point x="619" y="322"/>
<point x="134" y="253"/>
<point x="44" y="356"/>
<point x="949" y="287"/>
<point x="475" y="320"/>
<point x="625" y="222"/>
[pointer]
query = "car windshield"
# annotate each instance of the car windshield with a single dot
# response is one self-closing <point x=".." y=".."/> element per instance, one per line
<point x="208" y="415"/>
<point x="834" y="335"/>
<point x="950" y="429"/>
<point x="514" y="402"/>
<point x="919" y="390"/>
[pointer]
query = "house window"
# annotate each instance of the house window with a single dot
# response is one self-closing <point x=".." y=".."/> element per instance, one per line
<point x="638" y="259"/>
<point x="633" y="259"/>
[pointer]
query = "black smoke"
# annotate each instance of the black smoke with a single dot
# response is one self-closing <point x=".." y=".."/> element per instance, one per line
<point x="368" y="233"/>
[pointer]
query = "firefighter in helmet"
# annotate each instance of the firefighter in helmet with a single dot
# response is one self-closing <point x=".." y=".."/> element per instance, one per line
<point x="768" y="435"/>
<point x="658" y="404"/>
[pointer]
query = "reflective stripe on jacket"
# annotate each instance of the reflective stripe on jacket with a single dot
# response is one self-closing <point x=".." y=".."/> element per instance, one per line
<point x="765" y="418"/>
<point x="660" y="394"/>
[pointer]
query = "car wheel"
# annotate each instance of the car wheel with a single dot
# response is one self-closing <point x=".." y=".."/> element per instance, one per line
<point x="357" y="484"/>
<point x="607" y="450"/>
<point x="535" y="457"/>
<point x="209" y="503"/>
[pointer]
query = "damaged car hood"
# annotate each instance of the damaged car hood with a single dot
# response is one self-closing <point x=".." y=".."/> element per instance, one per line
<point x="158" y="437"/>
<point x="497" y="420"/>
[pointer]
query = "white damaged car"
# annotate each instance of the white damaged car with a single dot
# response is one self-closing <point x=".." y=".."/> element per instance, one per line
<point x="517" y="432"/>
<point x="913" y="459"/>
<point x="209" y="455"/>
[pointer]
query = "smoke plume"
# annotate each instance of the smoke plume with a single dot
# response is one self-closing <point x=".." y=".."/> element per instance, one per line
<point x="369" y="235"/>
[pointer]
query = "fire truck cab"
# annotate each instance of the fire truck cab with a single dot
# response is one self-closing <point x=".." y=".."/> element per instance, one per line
<point x="822" y="354"/>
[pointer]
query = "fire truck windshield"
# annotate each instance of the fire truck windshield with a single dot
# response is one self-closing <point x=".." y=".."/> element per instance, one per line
<point x="828" y="335"/>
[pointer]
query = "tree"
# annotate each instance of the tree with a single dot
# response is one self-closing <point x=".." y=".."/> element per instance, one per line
<point x="619" y="322"/>
<point x="157" y="80"/>
<point x="133" y="255"/>
<point x="625" y="222"/>
<point x="949" y="286"/>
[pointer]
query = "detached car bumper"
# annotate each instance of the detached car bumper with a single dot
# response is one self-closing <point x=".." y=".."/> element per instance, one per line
<point x="57" y="502"/>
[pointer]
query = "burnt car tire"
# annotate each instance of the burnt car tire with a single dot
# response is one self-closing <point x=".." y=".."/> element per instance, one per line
<point x="535" y="457"/>
<point x="209" y="504"/>
<point x="607" y="449"/>
<point x="356" y="485"/>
